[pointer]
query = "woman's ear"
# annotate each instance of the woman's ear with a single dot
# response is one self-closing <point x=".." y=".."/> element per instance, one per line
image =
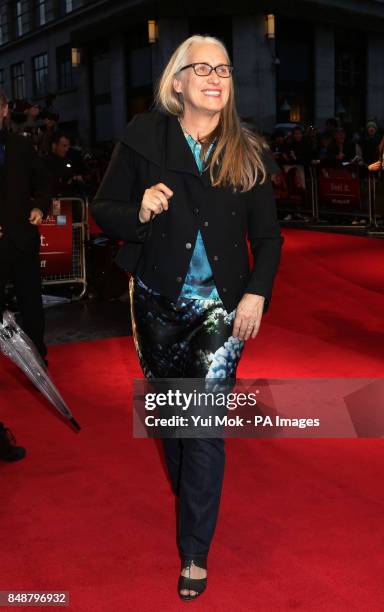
<point x="177" y="85"/>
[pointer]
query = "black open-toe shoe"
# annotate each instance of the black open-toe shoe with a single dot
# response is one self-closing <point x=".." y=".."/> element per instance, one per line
<point x="192" y="584"/>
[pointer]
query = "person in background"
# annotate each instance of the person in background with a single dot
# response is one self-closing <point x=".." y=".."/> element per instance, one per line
<point x="341" y="150"/>
<point x="289" y="139"/>
<point x="331" y="126"/>
<point x="377" y="167"/>
<point x="26" y="189"/>
<point x="299" y="150"/>
<point x="312" y="137"/>
<point x="44" y="144"/>
<point x="23" y="118"/>
<point x="369" y="142"/>
<point x="279" y="147"/>
<point x="61" y="166"/>
<point x="325" y="140"/>
<point x="9" y="451"/>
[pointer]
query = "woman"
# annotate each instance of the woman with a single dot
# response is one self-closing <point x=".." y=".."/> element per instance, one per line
<point x="341" y="149"/>
<point x="369" y="141"/>
<point x="206" y="181"/>
<point x="378" y="166"/>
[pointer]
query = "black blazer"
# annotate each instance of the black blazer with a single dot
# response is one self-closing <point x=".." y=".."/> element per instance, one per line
<point x="154" y="149"/>
<point x="25" y="183"/>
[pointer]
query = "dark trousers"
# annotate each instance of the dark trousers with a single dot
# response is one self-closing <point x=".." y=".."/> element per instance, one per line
<point x="191" y="339"/>
<point x="23" y="270"/>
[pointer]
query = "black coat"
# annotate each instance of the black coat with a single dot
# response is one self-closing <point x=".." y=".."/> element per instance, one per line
<point x="25" y="183"/>
<point x="154" y="149"/>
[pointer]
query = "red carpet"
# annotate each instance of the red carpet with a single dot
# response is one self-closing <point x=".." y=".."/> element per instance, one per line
<point x="301" y="521"/>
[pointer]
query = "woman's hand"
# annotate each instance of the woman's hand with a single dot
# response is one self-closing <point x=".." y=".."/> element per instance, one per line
<point x="155" y="199"/>
<point x="375" y="166"/>
<point x="36" y="216"/>
<point x="248" y="316"/>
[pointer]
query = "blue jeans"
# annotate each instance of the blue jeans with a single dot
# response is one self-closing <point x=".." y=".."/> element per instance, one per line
<point x="188" y="339"/>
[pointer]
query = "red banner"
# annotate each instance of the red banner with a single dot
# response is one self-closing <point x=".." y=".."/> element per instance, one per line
<point x="56" y="240"/>
<point x="339" y="187"/>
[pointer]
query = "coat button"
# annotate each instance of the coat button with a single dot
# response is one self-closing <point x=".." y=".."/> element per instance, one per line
<point x="188" y="245"/>
<point x="163" y="234"/>
<point x="241" y="276"/>
<point x="206" y="223"/>
<point x="235" y="245"/>
<point x="196" y="210"/>
<point x="154" y="267"/>
<point x="215" y="257"/>
<point x="179" y="279"/>
<point x="224" y="289"/>
<point x="233" y="212"/>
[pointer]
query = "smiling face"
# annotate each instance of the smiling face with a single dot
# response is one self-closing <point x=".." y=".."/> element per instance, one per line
<point x="203" y="94"/>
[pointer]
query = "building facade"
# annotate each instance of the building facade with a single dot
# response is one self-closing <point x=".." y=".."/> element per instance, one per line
<point x="302" y="61"/>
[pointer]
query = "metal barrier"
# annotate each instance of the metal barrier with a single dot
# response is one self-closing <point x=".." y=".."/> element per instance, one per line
<point x="332" y="194"/>
<point x="294" y="189"/>
<point x="377" y="193"/>
<point x="77" y="273"/>
<point x="342" y="193"/>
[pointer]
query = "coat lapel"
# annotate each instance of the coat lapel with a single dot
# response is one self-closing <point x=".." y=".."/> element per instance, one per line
<point x="179" y="155"/>
<point x="159" y="138"/>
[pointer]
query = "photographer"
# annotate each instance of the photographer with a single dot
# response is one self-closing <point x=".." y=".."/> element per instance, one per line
<point x="65" y="171"/>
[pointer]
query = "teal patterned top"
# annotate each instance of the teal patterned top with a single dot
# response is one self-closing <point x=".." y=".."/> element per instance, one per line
<point x="199" y="283"/>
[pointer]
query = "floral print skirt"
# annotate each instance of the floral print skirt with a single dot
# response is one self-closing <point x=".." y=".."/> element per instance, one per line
<point x="190" y="338"/>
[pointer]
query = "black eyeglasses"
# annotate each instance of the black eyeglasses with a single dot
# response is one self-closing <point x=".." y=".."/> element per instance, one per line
<point x="203" y="69"/>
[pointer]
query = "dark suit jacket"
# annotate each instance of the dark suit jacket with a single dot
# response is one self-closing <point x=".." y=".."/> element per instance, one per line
<point x="154" y="149"/>
<point x="25" y="183"/>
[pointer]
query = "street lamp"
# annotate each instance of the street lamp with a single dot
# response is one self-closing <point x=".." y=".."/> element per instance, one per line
<point x="270" y="26"/>
<point x="75" y="57"/>
<point x="153" y="33"/>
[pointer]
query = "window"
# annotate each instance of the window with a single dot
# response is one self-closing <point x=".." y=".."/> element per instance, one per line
<point x="67" y="6"/>
<point x="2" y="78"/>
<point x="350" y="76"/>
<point x="22" y="17"/>
<point x="4" y="27"/>
<point x="18" y="81"/>
<point x="65" y="75"/>
<point x="44" y="12"/>
<point x="295" y="92"/>
<point x="40" y="74"/>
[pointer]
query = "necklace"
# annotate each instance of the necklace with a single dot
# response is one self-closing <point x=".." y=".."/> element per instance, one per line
<point x="185" y="131"/>
<point x="190" y="135"/>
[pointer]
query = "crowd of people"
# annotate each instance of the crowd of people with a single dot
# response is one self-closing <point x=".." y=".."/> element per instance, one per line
<point x="297" y="149"/>
<point x="335" y="146"/>
<point x="80" y="172"/>
<point x="76" y="171"/>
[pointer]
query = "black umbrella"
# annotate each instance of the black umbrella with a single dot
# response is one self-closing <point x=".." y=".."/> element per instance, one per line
<point x="16" y="345"/>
